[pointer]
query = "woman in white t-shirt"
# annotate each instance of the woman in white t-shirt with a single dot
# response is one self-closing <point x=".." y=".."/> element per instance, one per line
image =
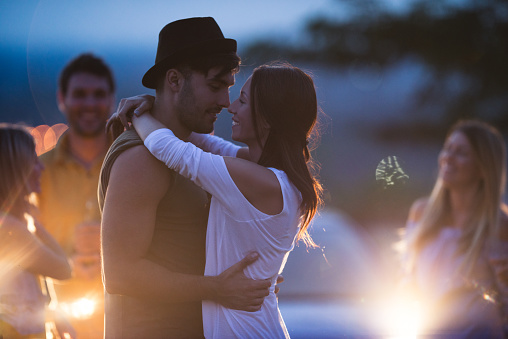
<point x="263" y="196"/>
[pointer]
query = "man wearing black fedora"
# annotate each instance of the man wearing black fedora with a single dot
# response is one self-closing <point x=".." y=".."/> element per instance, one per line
<point x="154" y="220"/>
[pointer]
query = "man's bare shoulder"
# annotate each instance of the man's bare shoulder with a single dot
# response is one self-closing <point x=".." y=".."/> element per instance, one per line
<point x="138" y="168"/>
<point x="138" y="158"/>
<point x="136" y="153"/>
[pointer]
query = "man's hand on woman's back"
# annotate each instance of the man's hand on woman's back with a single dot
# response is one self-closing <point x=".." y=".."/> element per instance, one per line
<point x="238" y="292"/>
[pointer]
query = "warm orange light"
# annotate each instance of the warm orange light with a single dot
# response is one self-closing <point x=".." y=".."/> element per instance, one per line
<point x="48" y="140"/>
<point x="38" y="137"/>
<point x="30" y="223"/>
<point x="80" y="309"/>
<point x="59" y="129"/>
<point x="489" y="297"/>
<point x="46" y="137"/>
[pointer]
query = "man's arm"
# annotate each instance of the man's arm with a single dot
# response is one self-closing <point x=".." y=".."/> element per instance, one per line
<point x="137" y="183"/>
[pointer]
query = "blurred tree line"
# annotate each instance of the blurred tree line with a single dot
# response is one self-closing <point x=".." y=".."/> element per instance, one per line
<point x="462" y="45"/>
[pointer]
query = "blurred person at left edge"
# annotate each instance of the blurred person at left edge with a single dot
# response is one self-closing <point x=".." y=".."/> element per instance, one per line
<point x="28" y="253"/>
<point x="68" y="200"/>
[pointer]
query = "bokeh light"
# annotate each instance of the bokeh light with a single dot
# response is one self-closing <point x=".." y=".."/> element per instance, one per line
<point x="46" y="136"/>
<point x="80" y="309"/>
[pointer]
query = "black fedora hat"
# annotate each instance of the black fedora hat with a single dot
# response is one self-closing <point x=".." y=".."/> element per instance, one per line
<point x="185" y="39"/>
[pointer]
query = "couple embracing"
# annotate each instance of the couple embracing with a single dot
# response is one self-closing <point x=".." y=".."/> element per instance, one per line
<point x="172" y="194"/>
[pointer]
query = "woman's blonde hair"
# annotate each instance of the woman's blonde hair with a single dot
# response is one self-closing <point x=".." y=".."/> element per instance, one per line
<point x="490" y="154"/>
<point x="17" y="152"/>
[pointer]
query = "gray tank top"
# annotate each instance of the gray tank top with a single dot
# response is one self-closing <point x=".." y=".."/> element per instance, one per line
<point x="178" y="244"/>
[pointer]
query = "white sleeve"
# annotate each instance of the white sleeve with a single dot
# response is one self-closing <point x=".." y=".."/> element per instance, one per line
<point x="214" y="144"/>
<point x="206" y="170"/>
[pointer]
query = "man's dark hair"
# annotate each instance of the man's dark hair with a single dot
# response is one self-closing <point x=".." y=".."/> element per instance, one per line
<point x="85" y="63"/>
<point x="229" y="62"/>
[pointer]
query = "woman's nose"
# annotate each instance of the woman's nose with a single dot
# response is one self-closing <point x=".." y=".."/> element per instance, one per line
<point x="231" y="108"/>
<point x="447" y="155"/>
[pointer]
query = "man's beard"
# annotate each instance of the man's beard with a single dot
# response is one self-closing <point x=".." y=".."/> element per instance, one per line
<point x="189" y="114"/>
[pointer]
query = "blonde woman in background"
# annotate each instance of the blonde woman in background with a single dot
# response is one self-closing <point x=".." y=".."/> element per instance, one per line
<point x="453" y="237"/>
<point x="25" y="252"/>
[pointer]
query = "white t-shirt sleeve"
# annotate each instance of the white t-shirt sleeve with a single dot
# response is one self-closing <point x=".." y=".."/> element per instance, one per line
<point x="214" y="144"/>
<point x="206" y="170"/>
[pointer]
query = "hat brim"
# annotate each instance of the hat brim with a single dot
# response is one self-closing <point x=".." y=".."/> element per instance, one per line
<point x="202" y="49"/>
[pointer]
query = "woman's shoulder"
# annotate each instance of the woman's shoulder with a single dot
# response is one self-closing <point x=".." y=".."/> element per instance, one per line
<point x="279" y="173"/>
<point x="283" y="182"/>
<point x="12" y="230"/>
<point x="9" y="223"/>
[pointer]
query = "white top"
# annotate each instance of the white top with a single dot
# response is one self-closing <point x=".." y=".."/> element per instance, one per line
<point x="22" y="304"/>
<point x="465" y="304"/>
<point x="235" y="227"/>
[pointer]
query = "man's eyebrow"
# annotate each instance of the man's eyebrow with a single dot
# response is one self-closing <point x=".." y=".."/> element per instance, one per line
<point x="222" y="81"/>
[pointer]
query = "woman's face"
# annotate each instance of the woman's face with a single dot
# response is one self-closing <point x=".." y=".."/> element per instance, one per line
<point x="243" y="128"/>
<point x="33" y="182"/>
<point x="458" y="165"/>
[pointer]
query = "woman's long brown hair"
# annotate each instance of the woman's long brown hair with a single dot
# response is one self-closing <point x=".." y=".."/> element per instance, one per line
<point x="17" y="153"/>
<point x="284" y="97"/>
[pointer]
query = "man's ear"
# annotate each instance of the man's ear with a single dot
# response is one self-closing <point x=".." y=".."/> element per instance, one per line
<point x="174" y="79"/>
<point x="60" y="99"/>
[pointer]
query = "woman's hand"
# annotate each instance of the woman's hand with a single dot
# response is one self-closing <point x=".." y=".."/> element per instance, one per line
<point x="146" y="124"/>
<point x="121" y="119"/>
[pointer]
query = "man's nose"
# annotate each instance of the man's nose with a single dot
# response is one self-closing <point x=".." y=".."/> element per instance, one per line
<point x="90" y="100"/>
<point x="224" y="100"/>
